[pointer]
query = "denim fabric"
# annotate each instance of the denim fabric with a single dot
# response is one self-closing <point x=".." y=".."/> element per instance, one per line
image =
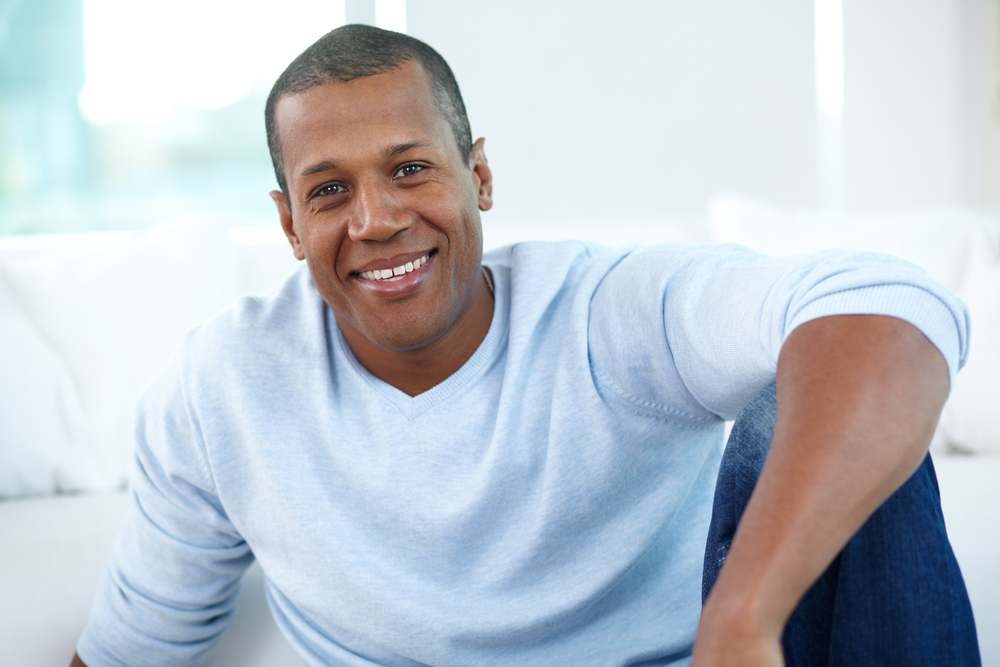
<point x="894" y="595"/>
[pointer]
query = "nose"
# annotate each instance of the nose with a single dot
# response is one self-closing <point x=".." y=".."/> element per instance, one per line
<point x="375" y="215"/>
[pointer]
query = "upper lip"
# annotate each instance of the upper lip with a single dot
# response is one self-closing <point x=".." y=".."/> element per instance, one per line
<point x="392" y="262"/>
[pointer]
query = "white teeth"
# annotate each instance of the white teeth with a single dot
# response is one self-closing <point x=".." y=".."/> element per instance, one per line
<point x="382" y="274"/>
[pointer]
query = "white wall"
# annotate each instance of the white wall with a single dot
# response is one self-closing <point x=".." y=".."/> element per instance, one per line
<point x="916" y="102"/>
<point x="633" y="109"/>
<point x="982" y="79"/>
<point x="642" y="110"/>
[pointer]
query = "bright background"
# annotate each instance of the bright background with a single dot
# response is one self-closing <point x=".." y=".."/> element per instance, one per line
<point x="121" y="114"/>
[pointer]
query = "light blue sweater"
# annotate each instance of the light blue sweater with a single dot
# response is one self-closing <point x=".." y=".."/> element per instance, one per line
<point x="545" y="505"/>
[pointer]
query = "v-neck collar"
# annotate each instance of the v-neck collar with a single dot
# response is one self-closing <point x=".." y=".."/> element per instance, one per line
<point x="413" y="406"/>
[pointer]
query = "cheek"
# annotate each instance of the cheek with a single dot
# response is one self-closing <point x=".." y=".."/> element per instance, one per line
<point x="457" y="216"/>
<point x="322" y="250"/>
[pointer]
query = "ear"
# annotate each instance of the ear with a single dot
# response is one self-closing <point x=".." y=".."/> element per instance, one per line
<point x="285" y="214"/>
<point x="482" y="177"/>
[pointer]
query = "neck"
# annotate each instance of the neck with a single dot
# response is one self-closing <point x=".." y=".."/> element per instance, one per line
<point x="415" y="371"/>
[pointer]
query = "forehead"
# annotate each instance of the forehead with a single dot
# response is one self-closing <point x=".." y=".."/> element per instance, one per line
<point x="367" y="115"/>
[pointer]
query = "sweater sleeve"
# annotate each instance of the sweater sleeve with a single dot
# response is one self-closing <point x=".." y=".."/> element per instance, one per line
<point x="172" y="583"/>
<point x="695" y="331"/>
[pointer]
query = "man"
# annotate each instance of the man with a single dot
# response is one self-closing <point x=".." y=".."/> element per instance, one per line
<point x="444" y="463"/>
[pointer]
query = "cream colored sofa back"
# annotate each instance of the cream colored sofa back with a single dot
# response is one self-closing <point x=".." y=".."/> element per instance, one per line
<point x="87" y="320"/>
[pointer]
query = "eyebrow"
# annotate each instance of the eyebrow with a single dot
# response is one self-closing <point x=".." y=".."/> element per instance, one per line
<point x="326" y="165"/>
<point x="391" y="151"/>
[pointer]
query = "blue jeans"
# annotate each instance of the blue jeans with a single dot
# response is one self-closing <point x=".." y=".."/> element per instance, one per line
<point x="894" y="595"/>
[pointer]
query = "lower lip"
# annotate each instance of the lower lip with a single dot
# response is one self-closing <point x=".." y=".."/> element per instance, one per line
<point x="408" y="283"/>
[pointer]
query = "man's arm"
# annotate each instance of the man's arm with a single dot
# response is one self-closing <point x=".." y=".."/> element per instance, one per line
<point x="858" y="399"/>
<point x="77" y="662"/>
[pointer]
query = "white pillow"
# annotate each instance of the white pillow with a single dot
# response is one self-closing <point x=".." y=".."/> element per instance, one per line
<point x="958" y="247"/>
<point x="939" y="240"/>
<point x="969" y="421"/>
<point x="85" y="327"/>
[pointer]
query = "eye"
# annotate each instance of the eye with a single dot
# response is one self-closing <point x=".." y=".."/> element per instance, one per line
<point x="329" y="189"/>
<point x="408" y="170"/>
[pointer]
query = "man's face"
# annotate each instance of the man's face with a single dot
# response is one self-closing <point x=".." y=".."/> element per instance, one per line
<point x="375" y="183"/>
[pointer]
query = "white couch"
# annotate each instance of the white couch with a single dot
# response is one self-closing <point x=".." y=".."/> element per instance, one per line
<point x="86" y="320"/>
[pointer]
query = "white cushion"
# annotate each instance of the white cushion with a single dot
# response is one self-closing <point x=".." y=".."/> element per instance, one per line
<point x="86" y="326"/>
<point x="958" y="247"/>
<point x="970" y="420"/>
<point x="970" y="501"/>
<point x="52" y="553"/>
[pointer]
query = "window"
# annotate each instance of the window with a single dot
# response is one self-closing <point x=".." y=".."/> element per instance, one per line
<point x="120" y="114"/>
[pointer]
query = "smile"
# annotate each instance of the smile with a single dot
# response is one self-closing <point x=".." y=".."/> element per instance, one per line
<point x="396" y="273"/>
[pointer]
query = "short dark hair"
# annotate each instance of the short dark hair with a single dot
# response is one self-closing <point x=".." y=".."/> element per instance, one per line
<point x="354" y="51"/>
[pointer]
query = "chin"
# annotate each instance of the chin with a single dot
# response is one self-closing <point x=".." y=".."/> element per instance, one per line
<point x="405" y="339"/>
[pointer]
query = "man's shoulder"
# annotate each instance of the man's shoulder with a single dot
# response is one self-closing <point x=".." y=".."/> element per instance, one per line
<point x="539" y="268"/>
<point x="257" y="327"/>
<point x="544" y="269"/>
<point x="544" y="252"/>
<point x="531" y="255"/>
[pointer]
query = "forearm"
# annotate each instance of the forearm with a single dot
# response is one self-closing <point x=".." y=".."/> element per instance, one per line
<point x="858" y="399"/>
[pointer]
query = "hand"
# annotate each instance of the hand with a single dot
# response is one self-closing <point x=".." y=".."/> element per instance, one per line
<point x="720" y="646"/>
<point x="733" y="633"/>
<point x="763" y="653"/>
